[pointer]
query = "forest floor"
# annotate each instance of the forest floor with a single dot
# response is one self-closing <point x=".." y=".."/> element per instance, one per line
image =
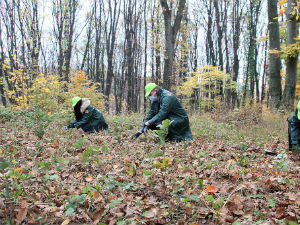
<point x="237" y="170"/>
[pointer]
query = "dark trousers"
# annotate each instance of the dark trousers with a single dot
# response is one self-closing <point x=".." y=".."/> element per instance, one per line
<point x="293" y="131"/>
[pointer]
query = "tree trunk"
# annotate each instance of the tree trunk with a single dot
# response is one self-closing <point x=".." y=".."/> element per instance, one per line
<point x="2" y="93"/>
<point x="145" y="54"/>
<point x="110" y="38"/>
<point x="220" y="33"/>
<point x="210" y="52"/>
<point x="170" y="37"/>
<point x="291" y="60"/>
<point x="275" y="64"/>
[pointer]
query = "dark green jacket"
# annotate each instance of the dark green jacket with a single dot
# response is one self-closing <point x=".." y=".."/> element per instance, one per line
<point x="92" y="117"/>
<point x="169" y="107"/>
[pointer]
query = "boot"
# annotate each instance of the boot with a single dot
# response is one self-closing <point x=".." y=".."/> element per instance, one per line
<point x="295" y="148"/>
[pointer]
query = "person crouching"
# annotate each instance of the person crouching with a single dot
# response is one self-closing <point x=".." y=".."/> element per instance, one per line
<point x="88" y="117"/>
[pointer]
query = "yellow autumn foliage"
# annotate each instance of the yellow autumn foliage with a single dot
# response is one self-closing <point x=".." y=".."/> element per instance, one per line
<point x="81" y="86"/>
<point x="47" y="92"/>
<point x="210" y="83"/>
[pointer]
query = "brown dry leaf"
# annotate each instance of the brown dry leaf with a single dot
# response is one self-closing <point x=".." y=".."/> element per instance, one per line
<point x="238" y="202"/>
<point x="98" y="215"/>
<point x="130" y="211"/>
<point x="292" y="196"/>
<point x="211" y="189"/>
<point x="89" y="179"/>
<point x="22" y="212"/>
<point x="95" y="194"/>
<point x="280" y="213"/>
<point x="113" y="221"/>
<point x="229" y="219"/>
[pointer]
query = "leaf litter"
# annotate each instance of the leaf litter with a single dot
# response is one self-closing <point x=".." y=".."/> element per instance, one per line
<point x="105" y="178"/>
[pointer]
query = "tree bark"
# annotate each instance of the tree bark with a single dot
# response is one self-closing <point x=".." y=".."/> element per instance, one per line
<point x="275" y="64"/>
<point x="2" y="93"/>
<point x="110" y="38"/>
<point x="291" y="60"/>
<point x="170" y="38"/>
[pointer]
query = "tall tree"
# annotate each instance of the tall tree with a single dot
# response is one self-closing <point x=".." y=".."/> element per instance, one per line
<point x="64" y="15"/>
<point x="110" y="33"/>
<point x="171" y="31"/>
<point x="252" y="58"/>
<point x="275" y="64"/>
<point x="236" y="31"/>
<point x="292" y="56"/>
<point x="3" y="99"/>
<point x="131" y="22"/>
<point x="145" y="51"/>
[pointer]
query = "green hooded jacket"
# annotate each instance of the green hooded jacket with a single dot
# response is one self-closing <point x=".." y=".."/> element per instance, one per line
<point x="92" y="117"/>
<point x="169" y="107"/>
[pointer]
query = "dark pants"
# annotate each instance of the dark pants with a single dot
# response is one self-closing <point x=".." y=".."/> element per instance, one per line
<point x="293" y="130"/>
<point x="85" y="129"/>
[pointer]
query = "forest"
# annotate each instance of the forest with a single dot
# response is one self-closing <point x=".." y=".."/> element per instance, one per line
<point x="232" y="64"/>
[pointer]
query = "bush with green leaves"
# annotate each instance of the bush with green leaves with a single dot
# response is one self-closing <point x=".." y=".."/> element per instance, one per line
<point x="163" y="130"/>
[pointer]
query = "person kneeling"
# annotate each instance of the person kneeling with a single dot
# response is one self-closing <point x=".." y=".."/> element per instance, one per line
<point x="88" y="117"/>
<point x="165" y="105"/>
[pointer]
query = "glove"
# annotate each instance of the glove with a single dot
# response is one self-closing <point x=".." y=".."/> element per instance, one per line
<point x="70" y="126"/>
<point x="145" y="130"/>
<point x="135" y="136"/>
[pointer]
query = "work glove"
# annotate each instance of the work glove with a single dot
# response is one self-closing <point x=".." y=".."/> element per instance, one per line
<point x="136" y="135"/>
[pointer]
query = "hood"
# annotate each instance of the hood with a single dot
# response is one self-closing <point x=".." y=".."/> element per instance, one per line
<point x="85" y="103"/>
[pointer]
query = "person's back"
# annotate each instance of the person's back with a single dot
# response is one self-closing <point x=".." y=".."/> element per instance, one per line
<point x="88" y="117"/>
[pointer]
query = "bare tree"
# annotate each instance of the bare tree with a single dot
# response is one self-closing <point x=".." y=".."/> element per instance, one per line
<point x="64" y="15"/>
<point x="110" y="32"/>
<point x="2" y="57"/>
<point x="171" y="31"/>
<point x="292" y="58"/>
<point x="275" y="64"/>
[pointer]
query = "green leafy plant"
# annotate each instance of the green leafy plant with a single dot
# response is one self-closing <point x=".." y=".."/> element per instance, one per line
<point x="73" y="203"/>
<point x="281" y="161"/>
<point x="79" y="143"/>
<point x="164" y="165"/>
<point x="4" y="164"/>
<point x="216" y="204"/>
<point x="163" y="131"/>
<point x="42" y="121"/>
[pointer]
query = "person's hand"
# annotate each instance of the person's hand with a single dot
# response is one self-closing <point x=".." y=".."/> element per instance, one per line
<point x="147" y="123"/>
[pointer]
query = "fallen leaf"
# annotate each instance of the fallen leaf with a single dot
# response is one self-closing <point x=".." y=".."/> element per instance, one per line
<point x="280" y="213"/>
<point x="98" y="215"/>
<point x="67" y="221"/>
<point x="22" y="212"/>
<point x="292" y="196"/>
<point x="211" y="189"/>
